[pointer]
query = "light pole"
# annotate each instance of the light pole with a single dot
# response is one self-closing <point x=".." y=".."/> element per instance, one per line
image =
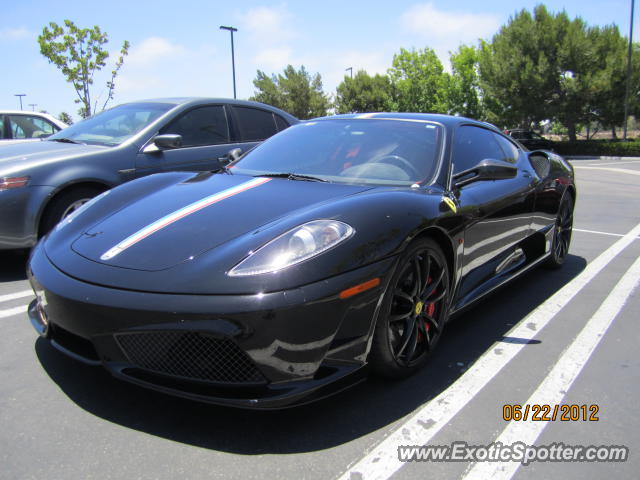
<point x="626" y="93"/>
<point x="20" y="95"/>
<point x="350" y="71"/>
<point x="233" y="60"/>
<point x="33" y="106"/>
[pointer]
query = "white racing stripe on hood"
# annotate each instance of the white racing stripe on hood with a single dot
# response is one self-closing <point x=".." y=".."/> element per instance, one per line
<point x="181" y="213"/>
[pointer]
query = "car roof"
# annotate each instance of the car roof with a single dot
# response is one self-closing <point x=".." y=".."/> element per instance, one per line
<point x="48" y="116"/>
<point x="448" y="120"/>
<point x="194" y="101"/>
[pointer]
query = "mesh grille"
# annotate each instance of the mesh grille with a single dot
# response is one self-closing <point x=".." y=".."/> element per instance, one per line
<point x="540" y="164"/>
<point x="190" y="355"/>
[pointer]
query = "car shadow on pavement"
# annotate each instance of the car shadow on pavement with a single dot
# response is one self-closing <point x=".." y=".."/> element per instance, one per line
<point x="370" y="406"/>
<point x="14" y="265"/>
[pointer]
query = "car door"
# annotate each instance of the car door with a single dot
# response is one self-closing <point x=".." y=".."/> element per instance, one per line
<point x="499" y="212"/>
<point x="206" y="136"/>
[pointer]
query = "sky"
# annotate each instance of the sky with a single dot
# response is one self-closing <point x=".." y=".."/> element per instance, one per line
<point x="177" y="48"/>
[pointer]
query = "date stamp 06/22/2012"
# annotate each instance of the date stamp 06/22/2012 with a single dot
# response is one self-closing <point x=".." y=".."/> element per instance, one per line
<point x="550" y="413"/>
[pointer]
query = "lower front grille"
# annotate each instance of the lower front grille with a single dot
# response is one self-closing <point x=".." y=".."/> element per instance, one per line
<point x="190" y="355"/>
<point x="72" y="342"/>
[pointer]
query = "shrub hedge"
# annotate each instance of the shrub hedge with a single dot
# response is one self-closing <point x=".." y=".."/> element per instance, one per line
<point x="613" y="148"/>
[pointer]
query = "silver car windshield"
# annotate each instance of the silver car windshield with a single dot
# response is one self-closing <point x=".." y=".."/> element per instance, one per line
<point x="350" y="150"/>
<point x="113" y="126"/>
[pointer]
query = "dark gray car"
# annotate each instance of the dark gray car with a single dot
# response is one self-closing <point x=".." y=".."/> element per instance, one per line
<point x="42" y="182"/>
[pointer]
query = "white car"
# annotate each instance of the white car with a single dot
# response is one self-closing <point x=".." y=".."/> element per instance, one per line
<point x="22" y="126"/>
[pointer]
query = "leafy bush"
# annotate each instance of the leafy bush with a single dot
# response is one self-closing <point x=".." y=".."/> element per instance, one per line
<point x="613" y="148"/>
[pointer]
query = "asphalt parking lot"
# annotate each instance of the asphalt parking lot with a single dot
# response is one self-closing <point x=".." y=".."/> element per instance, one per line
<point x="563" y="337"/>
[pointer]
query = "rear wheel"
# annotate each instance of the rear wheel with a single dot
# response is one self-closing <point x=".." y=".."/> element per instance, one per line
<point x="64" y="205"/>
<point x="413" y="312"/>
<point x="561" y="233"/>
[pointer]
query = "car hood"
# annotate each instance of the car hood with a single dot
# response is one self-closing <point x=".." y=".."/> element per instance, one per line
<point x="182" y="220"/>
<point x="20" y="157"/>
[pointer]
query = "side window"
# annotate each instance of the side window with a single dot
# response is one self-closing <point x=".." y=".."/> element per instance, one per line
<point x="511" y="152"/>
<point x="201" y="126"/>
<point x="471" y="145"/>
<point x="255" y="124"/>
<point x="1" y="126"/>
<point x="281" y="123"/>
<point x="19" y="126"/>
<point x="27" y="126"/>
<point x="42" y="127"/>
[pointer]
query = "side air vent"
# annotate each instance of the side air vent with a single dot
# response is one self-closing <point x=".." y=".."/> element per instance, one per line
<point x="541" y="164"/>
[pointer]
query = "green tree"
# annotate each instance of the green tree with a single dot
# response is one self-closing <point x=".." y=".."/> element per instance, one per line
<point x="462" y="87"/>
<point x="294" y="91"/>
<point x="610" y="77"/>
<point x="547" y="66"/>
<point x="364" y="93"/>
<point x="66" y="118"/>
<point x="418" y="81"/>
<point x="79" y="53"/>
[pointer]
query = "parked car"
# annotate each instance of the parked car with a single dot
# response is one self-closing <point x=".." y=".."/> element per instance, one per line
<point x="339" y="243"/>
<point x="42" y="182"/>
<point x="531" y="139"/>
<point x="17" y="126"/>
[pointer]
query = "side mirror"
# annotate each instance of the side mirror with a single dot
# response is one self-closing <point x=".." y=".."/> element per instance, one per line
<point x="231" y="156"/>
<point x="168" y="141"/>
<point x="487" y="169"/>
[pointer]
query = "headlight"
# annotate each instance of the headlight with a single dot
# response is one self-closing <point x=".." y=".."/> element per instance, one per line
<point x="293" y="247"/>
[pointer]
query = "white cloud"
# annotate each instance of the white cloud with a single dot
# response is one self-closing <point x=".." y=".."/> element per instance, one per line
<point x="275" y="58"/>
<point x="14" y="33"/>
<point x="426" y="21"/>
<point x="152" y="50"/>
<point x="268" y="25"/>
<point x="271" y="31"/>
<point x="157" y="67"/>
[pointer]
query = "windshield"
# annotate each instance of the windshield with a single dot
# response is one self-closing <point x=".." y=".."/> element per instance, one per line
<point x="370" y="151"/>
<point x="113" y="126"/>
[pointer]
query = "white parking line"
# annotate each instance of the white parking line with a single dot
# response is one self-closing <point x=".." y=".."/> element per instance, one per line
<point x="13" y="311"/>
<point x="598" y="232"/>
<point x="13" y="296"/>
<point x="382" y="460"/>
<point x="611" y="169"/>
<point x="637" y="162"/>
<point x="555" y="386"/>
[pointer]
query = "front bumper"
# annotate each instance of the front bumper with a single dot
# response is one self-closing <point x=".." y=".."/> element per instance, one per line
<point x="270" y="350"/>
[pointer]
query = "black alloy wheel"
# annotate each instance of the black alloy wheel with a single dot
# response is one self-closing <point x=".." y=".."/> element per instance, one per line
<point x="413" y="313"/>
<point x="562" y="233"/>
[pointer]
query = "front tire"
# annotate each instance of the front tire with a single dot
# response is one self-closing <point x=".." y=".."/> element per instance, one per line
<point x="413" y="313"/>
<point x="64" y="205"/>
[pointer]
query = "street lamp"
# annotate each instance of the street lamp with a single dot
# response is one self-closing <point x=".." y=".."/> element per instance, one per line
<point x="626" y="93"/>
<point x="33" y="106"/>
<point x="350" y="71"/>
<point x="233" y="61"/>
<point x="20" y="95"/>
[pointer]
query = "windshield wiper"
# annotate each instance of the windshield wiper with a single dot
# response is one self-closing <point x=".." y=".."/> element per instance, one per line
<point x="292" y="176"/>
<point x="65" y="140"/>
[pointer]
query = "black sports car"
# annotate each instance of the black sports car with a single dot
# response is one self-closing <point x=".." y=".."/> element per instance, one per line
<point x="337" y="244"/>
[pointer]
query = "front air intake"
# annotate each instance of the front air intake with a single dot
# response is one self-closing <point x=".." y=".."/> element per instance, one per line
<point x="190" y="355"/>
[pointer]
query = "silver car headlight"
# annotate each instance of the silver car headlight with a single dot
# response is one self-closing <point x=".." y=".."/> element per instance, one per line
<point x="293" y="247"/>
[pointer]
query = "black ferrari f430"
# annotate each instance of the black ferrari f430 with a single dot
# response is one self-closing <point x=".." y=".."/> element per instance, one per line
<point x="339" y="246"/>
